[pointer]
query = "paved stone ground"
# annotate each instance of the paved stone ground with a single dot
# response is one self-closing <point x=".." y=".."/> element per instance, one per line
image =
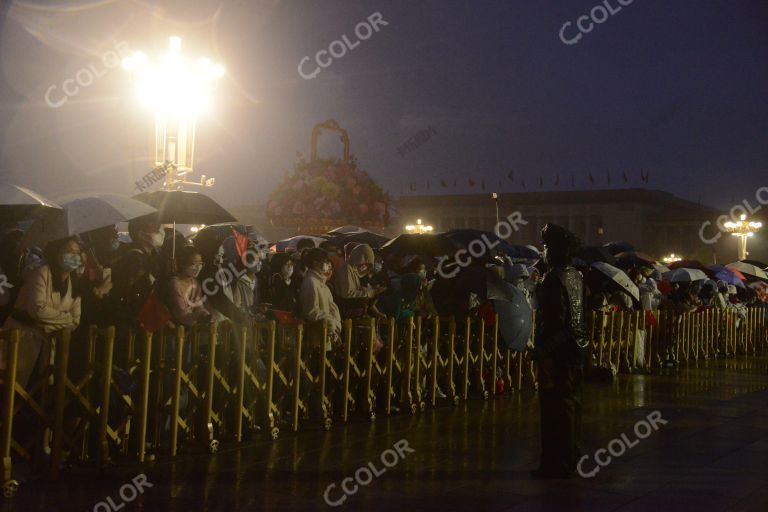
<point x="711" y="455"/>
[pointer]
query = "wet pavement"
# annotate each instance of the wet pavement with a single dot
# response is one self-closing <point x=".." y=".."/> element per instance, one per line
<point x="710" y="455"/>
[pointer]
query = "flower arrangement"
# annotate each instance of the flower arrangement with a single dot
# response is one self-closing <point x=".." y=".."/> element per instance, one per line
<point x="328" y="192"/>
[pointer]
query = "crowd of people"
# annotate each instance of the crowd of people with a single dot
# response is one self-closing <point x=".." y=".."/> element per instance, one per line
<point x="160" y="278"/>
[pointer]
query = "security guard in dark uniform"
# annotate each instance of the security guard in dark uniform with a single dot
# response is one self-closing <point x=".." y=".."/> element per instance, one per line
<point x="559" y="349"/>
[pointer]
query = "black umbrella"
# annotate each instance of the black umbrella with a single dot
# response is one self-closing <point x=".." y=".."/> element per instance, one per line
<point x="464" y="237"/>
<point x="226" y="228"/>
<point x="617" y="247"/>
<point x="363" y="237"/>
<point x="19" y="203"/>
<point x="180" y="207"/>
<point x="625" y="260"/>
<point x="450" y="296"/>
<point x="424" y="245"/>
<point x="592" y="253"/>
<point x="757" y="263"/>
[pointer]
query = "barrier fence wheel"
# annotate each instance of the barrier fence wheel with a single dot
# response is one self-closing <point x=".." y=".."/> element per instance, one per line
<point x="373" y="416"/>
<point x="214" y="446"/>
<point x="422" y="406"/>
<point x="327" y="423"/>
<point x="10" y="488"/>
<point x="414" y="408"/>
<point x="486" y="395"/>
<point x="455" y="399"/>
<point x="274" y="433"/>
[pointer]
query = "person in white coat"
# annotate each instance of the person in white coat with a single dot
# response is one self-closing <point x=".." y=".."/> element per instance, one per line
<point x="48" y="302"/>
<point x="315" y="298"/>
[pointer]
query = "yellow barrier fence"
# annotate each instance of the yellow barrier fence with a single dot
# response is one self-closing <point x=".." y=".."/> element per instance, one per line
<point x="123" y="395"/>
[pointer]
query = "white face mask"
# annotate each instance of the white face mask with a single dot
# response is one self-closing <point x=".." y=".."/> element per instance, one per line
<point x="193" y="270"/>
<point x="254" y="266"/>
<point x="287" y="272"/>
<point x="157" y="239"/>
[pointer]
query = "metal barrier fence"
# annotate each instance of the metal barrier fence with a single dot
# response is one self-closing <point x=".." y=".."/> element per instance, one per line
<point x="133" y="395"/>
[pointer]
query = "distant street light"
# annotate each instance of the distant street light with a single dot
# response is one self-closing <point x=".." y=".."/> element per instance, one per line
<point x="495" y="198"/>
<point x="743" y="229"/>
<point x="177" y="90"/>
<point x="418" y="228"/>
<point x="671" y="258"/>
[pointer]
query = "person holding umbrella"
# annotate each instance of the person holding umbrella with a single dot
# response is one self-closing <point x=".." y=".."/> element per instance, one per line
<point x="559" y="345"/>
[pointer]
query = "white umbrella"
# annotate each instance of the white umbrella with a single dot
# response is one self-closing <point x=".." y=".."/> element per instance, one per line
<point x="83" y="215"/>
<point x="661" y="268"/>
<point x="683" y="275"/>
<point x="748" y="269"/>
<point x="289" y="244"/>
<point x="347" y="230"/>
<point x="619" y="277"/>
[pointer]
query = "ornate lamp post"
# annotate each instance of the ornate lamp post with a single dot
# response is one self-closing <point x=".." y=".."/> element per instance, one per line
<point x="178" y="90"/>
<point x="418" y="228"/>
<point x="743" y="229"/>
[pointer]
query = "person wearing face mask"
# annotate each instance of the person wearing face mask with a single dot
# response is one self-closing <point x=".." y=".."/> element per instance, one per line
<point x="348" y="287"/>
<point x="517" y="274"/>
<point x="424" y="304"/>
<point x="135" y="269"/>
<point x="100" y="249"/>
<point x="241" y="271"/>
<point x="282" y="288"/>
<point x="531" y="284"/>
<point x="184" y="291"/>
<point x="47" y="302"/>
<point x="315" y="298"/>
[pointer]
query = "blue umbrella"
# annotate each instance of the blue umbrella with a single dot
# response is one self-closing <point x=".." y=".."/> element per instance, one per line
<point x="514" y="312"/>
<point x="723" y="273"/>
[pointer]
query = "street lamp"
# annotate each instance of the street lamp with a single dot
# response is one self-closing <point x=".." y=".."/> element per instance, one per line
<point x="495" y="198"/>
<point x="177" y="90"/>
<point x="418" y="228"/>
<point x="671" y="258"/>
<point x="743" y="229"/>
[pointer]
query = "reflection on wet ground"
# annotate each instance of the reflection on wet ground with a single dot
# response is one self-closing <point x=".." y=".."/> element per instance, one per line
<point x="711" y="455"/>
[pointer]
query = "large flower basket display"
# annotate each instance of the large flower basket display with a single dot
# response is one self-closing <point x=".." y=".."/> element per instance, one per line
<point x="323" y="193"/>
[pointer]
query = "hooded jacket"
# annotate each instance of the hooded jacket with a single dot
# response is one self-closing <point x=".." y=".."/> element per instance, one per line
<point x="317" y="302"/>
<point x="347" y="279"/>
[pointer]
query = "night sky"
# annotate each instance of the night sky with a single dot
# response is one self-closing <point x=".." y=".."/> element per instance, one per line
<point x="676" y="89"/>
